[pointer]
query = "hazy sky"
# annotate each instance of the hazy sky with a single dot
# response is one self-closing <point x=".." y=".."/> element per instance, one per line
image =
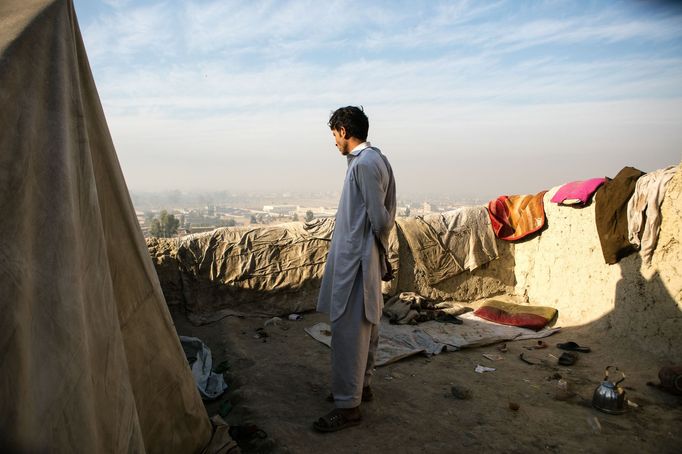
<point x="464" y="97"/>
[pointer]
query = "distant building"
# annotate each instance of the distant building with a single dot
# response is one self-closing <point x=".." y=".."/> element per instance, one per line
<point x="284" y="210"/>
<point x="318" y="212"/>
<point x="201" y="229"/>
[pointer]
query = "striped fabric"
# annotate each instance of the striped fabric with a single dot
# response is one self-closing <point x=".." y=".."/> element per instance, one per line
<point x="517" y="216"/>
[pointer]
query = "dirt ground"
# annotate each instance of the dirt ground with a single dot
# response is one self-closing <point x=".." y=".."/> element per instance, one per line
<point x="279" y="383"/>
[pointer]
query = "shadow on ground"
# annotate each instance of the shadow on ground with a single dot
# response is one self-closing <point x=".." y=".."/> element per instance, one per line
<point x="279" y="383"/>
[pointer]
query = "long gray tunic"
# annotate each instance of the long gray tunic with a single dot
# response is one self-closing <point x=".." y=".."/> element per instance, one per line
<point x="366" y="214"/>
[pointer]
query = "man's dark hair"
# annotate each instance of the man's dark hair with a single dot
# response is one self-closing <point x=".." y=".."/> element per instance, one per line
<point x="352" y="119"/>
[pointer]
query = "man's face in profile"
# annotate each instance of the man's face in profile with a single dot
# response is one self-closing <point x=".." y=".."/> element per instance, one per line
<point x="341" y="141"/>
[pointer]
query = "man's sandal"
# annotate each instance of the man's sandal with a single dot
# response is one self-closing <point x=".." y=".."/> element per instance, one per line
<point x="367" y="395"/>
<point x="336" y="420"/>
<point x="572" y="346"/>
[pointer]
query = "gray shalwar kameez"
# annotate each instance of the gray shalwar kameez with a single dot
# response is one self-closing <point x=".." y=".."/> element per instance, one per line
<point x="351" y="287"/>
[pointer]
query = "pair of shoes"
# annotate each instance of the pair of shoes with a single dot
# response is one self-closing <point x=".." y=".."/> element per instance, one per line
<point x="338" y="419"/>
<point x="367" y="395"/>
<point x="572" y="346"/>
<point x="567" y="359"/>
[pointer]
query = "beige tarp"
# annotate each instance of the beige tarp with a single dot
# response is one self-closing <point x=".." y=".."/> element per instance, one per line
<point x="276" y="270"/>
<point x="266" y="270"/>
<point x="89" y="359"/>
<point x="444" y="245"/>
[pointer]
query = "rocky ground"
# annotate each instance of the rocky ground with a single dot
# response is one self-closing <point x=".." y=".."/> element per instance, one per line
<point x="279" y="383"/>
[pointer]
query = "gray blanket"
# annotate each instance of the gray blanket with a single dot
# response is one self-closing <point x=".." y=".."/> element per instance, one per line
<point x="431" y="338"/>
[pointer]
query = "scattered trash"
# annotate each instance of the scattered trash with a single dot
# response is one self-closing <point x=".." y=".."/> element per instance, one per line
<point x="460" y="392"/>
<point x="260" y="334"/>
<point x="502" y="348"/>
<point x="273" y="321"/>
<point x="562" y="392"/>
<point x="531" y="361"/>
<point x="480" y="369"/>
<point x="513" y="406"/>
<point x="594" y="424"/>
<point x="295" y="317"/>
<point x="210" y="385"/>
<point x="540" y="345"/>
<point x="492" y="356"/>
<point x="633" y="404"/>
<point x="388" y="377"/>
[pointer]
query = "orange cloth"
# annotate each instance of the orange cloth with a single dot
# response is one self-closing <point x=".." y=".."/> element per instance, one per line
<point x="516" y="216"/>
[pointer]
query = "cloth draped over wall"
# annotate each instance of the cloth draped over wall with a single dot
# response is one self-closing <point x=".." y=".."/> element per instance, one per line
<point x="648" y="196"/>
<point x="89" y="357"/>
<point x="517" y="216"/>
<point x="444" y="245"/>
<point x="220" y="273"/>
<point x="610" y="214"/>
<point x="577" y="192"/>
<point x="276" y="270"/>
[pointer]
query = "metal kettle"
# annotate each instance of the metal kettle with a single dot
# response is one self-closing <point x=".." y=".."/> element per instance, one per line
<point x="609" y="397"/>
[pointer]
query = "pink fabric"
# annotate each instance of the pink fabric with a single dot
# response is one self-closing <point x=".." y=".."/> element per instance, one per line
<point x="578" y="190"/>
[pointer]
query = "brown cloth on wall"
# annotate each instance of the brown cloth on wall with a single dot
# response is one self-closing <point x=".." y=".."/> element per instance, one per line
<point x="89" y="357"/>
<point x="611" y="216"/>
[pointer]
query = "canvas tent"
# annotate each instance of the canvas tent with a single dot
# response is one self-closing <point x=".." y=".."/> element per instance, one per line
<point x="89" y="358"/>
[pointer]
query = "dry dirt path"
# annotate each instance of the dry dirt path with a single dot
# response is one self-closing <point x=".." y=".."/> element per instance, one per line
<point x="280" y="382"/>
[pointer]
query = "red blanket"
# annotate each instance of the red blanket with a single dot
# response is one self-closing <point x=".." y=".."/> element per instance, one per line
<point x="531" y="317"/>
<point x="516" y="216"/>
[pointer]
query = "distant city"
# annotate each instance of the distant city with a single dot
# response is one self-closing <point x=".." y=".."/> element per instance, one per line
<point x="184" y="213"/>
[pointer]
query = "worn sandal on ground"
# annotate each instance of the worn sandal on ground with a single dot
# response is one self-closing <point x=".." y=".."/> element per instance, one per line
<point x="572" y="346"/>
<point x="337" y="419"/>
<point x="567" y="359"/>
<point x="367" y="395"/>
<point x="531" y="361"/>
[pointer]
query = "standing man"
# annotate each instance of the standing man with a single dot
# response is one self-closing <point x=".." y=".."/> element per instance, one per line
<point x="351" y="287"/>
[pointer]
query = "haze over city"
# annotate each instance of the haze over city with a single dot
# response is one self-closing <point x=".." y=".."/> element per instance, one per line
<point x="473" y="99"/>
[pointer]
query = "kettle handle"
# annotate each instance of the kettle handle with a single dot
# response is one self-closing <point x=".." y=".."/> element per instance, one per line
<point x="606" y="374"/>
